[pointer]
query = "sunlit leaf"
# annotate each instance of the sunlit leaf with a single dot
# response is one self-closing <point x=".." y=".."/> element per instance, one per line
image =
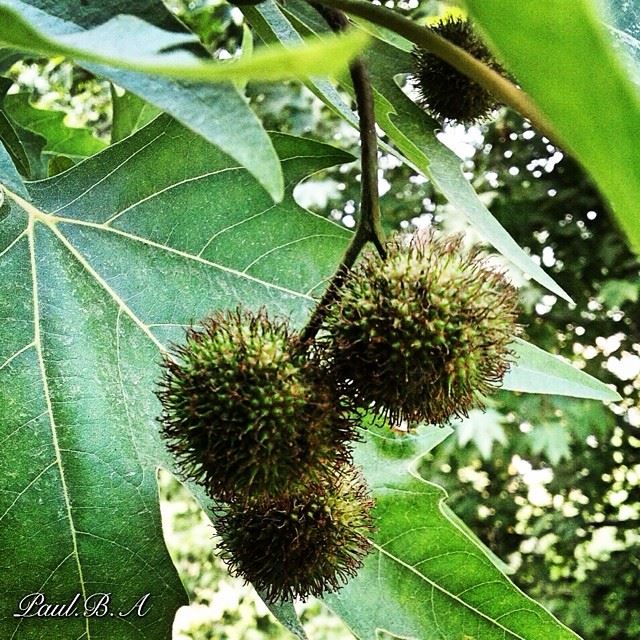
<point x="130" y="43"/>
<point x="537" y="371"/>
<point x="427" y="577"/>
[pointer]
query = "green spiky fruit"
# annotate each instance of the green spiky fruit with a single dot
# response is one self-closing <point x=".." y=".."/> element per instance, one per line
<point x="445" y="92"/>
<point x="422" y="335"/>
<point x="300" y="544"/>
<point x="245" y="413"/>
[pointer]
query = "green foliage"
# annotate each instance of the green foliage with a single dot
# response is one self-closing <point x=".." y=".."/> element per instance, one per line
<point x="130" y="113"/>
<point x="573" y="42"/>
<point x="560" y="532"/>
<point x="69" y="306"/>
<point x="537" y="372"/>
<point x="190" y="212"/>
<point x="61" y="140"/>
<point x="415" y="551"/>
<point x="411" y="130"/>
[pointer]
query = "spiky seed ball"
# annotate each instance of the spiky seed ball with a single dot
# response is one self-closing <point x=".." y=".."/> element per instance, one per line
<point x="445" y="92"/>
<point x="300" y="544"/>
<point x="423" y="335"/>
<point x="245" y="413"/>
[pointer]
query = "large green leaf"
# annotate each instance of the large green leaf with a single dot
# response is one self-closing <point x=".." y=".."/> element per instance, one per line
<point x="127" y="42"/>
<point x="411" y="130"/>
<point x="217" y="112"/>
<point x="562" y="55"/>
<point x="100" y="269"/>
<point x="428" y="577"/>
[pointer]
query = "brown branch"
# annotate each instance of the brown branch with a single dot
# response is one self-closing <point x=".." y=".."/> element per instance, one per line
<point x="369" y="227"/>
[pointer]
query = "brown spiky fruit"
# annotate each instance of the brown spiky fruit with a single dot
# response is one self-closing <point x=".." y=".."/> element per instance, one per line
<point x="245" y="413"/>
<point x="422" y="335"/>
<point x="300" y="544"/>
<point x="445" y="92"/>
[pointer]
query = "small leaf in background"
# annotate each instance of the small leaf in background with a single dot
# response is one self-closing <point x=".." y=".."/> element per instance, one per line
<point x="536" y="371"/>
<point x="24" y="146"/>
<point x="482" y="428"/>
<point x="75" y="143"/>
<point x="10" y="139"/>
<point x="562" y="55"/>
<point x="615" y="293"/>
<point x="552" y="439"/>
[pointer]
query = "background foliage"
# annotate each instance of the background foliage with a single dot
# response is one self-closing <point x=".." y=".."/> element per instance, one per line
<point x="550" y="484"/>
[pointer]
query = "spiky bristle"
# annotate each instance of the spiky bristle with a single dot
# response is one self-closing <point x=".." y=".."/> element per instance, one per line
<point x="300" y="544"/>
<point x="422" y="335"/>
<point x="245" y="414"/>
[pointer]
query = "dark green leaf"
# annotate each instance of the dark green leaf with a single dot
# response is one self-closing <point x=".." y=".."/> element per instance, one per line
<point x="100" y="269"/>
<point x="8" y="173"/>
<point x="90" y="14"/>
<point x="8" y="135"/>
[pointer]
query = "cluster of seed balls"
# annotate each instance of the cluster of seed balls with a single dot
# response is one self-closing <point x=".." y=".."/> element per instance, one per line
<point x="266" y="424"/>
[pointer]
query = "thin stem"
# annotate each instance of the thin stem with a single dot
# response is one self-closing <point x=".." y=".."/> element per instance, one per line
<point x="358" y="241"/>
<point x="369" y="228"/>
<point x="458" y="58"/>
<point x="369" y="196"/>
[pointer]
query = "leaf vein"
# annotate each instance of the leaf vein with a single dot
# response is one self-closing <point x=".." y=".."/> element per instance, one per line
<point x="52" y="423"/>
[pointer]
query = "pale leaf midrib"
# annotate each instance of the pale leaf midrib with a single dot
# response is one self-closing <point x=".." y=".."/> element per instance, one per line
<point x="54" y="435"/>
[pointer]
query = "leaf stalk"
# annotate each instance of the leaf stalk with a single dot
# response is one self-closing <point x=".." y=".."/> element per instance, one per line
<point x="369" y="226"/>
